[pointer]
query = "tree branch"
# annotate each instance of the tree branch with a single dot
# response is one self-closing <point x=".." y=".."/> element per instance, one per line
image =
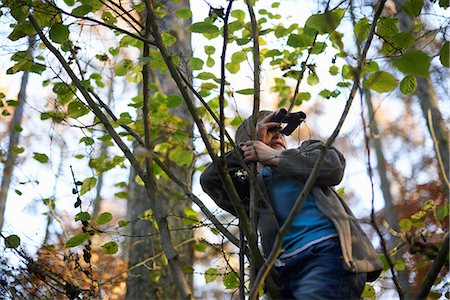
<point x="96" y="110"/>
<point x="316" y="169"/>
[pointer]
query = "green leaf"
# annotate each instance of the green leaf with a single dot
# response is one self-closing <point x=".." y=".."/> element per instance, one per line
<point x="326" y="22"/>
<point x="77" y="109"/>
<point x="211" y="275"/>
<point x="413" y="7"/>
<point x="181" y="157"/>
<point x="442" y="211"/>
<point x="408" y="85"/>
<point x="232" y="68"/>
<point x="210" y="62"/>
<point x="82" y="216"/>
<point x="122" y="195"/>
<point x="184" y="13"/>
<point x="418" y="216"/>
<point x="444" y="55"/>
<point x="399" y="265"/>
<point x="312" y="79"/>
<point x="123" y="223"/>
<point x="154" y="276"/>
<point x="397" y="43"/>
<point x="238" y="14"/>
<point x="12" y="241"/>
<point x="318" y="47"/>
<point x="238" y="57"/>
<point x="334" y="70"/>
<point x="428" y="205"/>
<point x="405" y="224"/>
<point x="122" y="68"/>
<point x="246" y="91"/>
<point x="444" y="3"/>
<point x="109" y="18"/>
<point x="303" y="96"/>
<point x="196" y="63"/>
<point x="110" y="248"/>
<point x="168" y="39"/>
<point x="17" y="149"/>
<point x="77" y="239"/>
<point x="387" y="27"/>
<point x="300" y="40"/>
<point x="231" y="280"/>
<point x="361" y="29"/>
<point x="40" y="157"/>
<point x="200" y="247"/>
<point x="59" y="33"/>
<point x="210" y="50"/>
<point x="381" y="82"/>
<point x="203" y="27"/>
<point x="88" y="184"/>
<point x="21" y="30"/>
<point x="368" y="293"/>
<point x="18" y="192"/>
<point x="87" y="140"/>
<point x="174" y="101"/>
<point x="104" y="218"/>
<point x="82" y="10"/>
<point x="414" y="62"/>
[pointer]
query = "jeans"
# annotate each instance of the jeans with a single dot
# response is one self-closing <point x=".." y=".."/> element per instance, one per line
<point x="318" y="273"/>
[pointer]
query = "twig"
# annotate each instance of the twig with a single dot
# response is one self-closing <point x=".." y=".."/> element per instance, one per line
<point x="89" y="100"/>
<point x="316" y="169"/>
<point x="436" y="145"/>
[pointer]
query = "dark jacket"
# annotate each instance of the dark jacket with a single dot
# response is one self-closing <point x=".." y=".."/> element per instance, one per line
<point x="358" y="252"/>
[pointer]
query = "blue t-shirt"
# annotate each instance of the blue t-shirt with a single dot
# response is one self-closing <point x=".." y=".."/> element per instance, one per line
<point x="310" y="226"/>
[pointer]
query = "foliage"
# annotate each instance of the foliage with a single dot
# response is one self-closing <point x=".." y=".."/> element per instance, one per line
<point x="295" y="52"/>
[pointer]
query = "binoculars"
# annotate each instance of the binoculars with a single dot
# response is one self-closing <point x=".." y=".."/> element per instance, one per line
<point x="293" y="120"/>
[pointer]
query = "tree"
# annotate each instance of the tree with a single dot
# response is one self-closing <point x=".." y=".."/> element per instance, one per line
<point x="155" y="143"/>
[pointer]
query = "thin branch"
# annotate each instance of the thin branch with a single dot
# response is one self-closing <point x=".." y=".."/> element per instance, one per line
<point x="316" y="169"/>
<point x="198" y="202"/>
<point x="302" y="73"/>
<point x="114" y="118"/>
<point x="222" y="170"/>
<point x="436" y="145"/>
<point x="253" y="183"/>
<point x="110" y="26"/>
<point x="435" y="268"/>
<point x="206" y="106"/>
<point x="89" y="100"/>
<point x="222" y="82"/>
<point x="150" y="180"/>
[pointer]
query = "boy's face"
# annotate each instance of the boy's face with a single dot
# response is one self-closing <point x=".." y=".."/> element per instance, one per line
<point x="275" y="139"/>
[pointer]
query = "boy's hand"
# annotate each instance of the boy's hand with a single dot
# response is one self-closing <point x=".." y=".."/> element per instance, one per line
<point x="257" y="151"/>
<point x="264" y="125"/>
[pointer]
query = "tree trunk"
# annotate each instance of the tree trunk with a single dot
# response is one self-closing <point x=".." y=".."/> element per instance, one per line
<point x="390" y="213"/>
<point x="103" y="152"/>
<point x="13" y="140"/>
<point x="138" y="282"/>
<point x="429" y="104"/>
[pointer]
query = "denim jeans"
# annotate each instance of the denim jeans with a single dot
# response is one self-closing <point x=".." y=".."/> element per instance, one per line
<point x="318" y="273"/>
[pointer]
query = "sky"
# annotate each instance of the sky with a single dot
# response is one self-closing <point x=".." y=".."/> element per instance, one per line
<point x="37" y="182"/>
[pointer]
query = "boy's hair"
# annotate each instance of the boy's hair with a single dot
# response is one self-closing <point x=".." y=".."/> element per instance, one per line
<point x="243" y="131"/>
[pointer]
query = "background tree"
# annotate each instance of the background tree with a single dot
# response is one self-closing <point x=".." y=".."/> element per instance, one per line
<point x="309" y="60"/>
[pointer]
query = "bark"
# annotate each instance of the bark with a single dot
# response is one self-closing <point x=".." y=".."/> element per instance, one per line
<point x="137" y="195"/>
<point x="103" y="152"/>
<point x="390" y="213"/>
<point x="429" y="104"/>
<point x="14" y="136"/>
<point x="140" y="244"/>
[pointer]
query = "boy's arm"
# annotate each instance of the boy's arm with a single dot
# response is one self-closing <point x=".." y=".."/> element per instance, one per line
<point x="213" y="186"/>
<point x="299" y="163"/>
